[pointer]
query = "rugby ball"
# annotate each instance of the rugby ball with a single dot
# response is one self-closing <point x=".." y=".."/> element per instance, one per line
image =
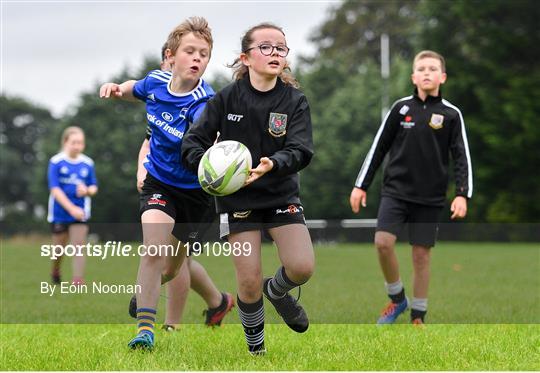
<point x="224" y="168"/>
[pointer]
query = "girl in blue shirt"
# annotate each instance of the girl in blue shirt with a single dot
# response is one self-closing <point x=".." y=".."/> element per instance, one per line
<point x="72" y="181"/>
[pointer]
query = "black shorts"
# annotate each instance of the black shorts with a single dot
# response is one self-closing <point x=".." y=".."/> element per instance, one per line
<point x="192" y="209"/>
<point x="61" y="227"/>
<point x="422" y="220"/>
<point x="264" y="219"/>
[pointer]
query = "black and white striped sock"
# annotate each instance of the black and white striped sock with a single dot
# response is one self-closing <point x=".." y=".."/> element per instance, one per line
<point x="280" y="284"/>
<point x="252" y="318"/>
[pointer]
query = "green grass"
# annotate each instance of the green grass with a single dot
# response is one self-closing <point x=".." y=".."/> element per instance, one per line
<point x="471" y="283"/>
<point x="484" y="311"/>
<point x="323" y="347"/>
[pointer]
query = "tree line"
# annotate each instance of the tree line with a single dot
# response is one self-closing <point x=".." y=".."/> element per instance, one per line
<point x="491" y="51"/>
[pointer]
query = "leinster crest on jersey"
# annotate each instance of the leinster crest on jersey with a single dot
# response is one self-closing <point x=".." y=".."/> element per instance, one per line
<point x="277" y="124"/>
<point x="436" y="121"/>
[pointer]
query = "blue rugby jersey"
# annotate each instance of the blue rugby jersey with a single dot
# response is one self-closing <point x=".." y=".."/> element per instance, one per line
<point x="169" y="115"/>
<point x="66" y="173"/>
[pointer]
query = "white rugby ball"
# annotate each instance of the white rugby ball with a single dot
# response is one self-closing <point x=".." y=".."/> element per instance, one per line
<point x="224" y="168"/>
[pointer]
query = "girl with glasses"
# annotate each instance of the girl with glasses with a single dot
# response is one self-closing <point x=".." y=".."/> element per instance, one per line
<point x="272" y="118"/>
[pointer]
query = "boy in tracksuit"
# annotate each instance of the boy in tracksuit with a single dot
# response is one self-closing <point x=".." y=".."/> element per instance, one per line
<point x="419" y="133"/>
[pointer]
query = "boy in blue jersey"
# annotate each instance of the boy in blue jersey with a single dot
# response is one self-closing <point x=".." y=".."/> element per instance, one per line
<point x="72" y="181"/>
<point x="172" y="200"/>
<point x="191" y="274"/>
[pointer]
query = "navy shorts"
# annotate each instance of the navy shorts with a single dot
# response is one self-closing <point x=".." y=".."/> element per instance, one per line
<point x="263" y="219"/>
<point x="192" y="209"/>
<point x="61" y="227"/>
<point x="422" y="220"/>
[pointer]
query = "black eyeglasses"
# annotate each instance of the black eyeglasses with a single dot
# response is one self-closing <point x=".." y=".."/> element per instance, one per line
<point x="268" y="49"/>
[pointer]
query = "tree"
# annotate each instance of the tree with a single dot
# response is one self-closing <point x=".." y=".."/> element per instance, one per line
<point x="351" y="34"/>
<point x="22" y="126"/>
<point x="492" y="54"/>
<point x="343" y="84"/>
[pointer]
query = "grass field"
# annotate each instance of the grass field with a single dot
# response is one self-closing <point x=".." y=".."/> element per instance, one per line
<point x="324" y="347"/>
<point x="484" y="313"/>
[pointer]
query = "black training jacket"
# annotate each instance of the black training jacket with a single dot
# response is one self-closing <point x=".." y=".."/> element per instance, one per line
<point x="274" y="124"/>
<point x="419" y="137"/>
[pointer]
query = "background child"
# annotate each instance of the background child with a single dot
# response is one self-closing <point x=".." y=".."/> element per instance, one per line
<point x="419" y="133"/>
<point x="72" y="181"/>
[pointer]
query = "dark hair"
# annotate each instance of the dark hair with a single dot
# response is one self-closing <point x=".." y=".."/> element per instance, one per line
<point x="240" y="70"/>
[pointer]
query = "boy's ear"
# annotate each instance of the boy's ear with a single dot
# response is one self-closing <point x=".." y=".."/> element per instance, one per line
<point x="443" y="78"/>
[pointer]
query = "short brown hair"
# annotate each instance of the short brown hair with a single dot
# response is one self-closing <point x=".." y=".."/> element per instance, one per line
<point x="430" y="54"/>
<point x="197" y="25"/>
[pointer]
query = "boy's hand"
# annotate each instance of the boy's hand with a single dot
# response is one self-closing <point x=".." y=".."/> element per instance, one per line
<point x="108" y="90"/>
<point x="358" y="196"/>
<point x="265" y="166"/>
<point x="459" y="207"/>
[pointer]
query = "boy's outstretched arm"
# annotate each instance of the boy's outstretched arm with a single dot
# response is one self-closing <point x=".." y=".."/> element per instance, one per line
<point x="123" y="91"/>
